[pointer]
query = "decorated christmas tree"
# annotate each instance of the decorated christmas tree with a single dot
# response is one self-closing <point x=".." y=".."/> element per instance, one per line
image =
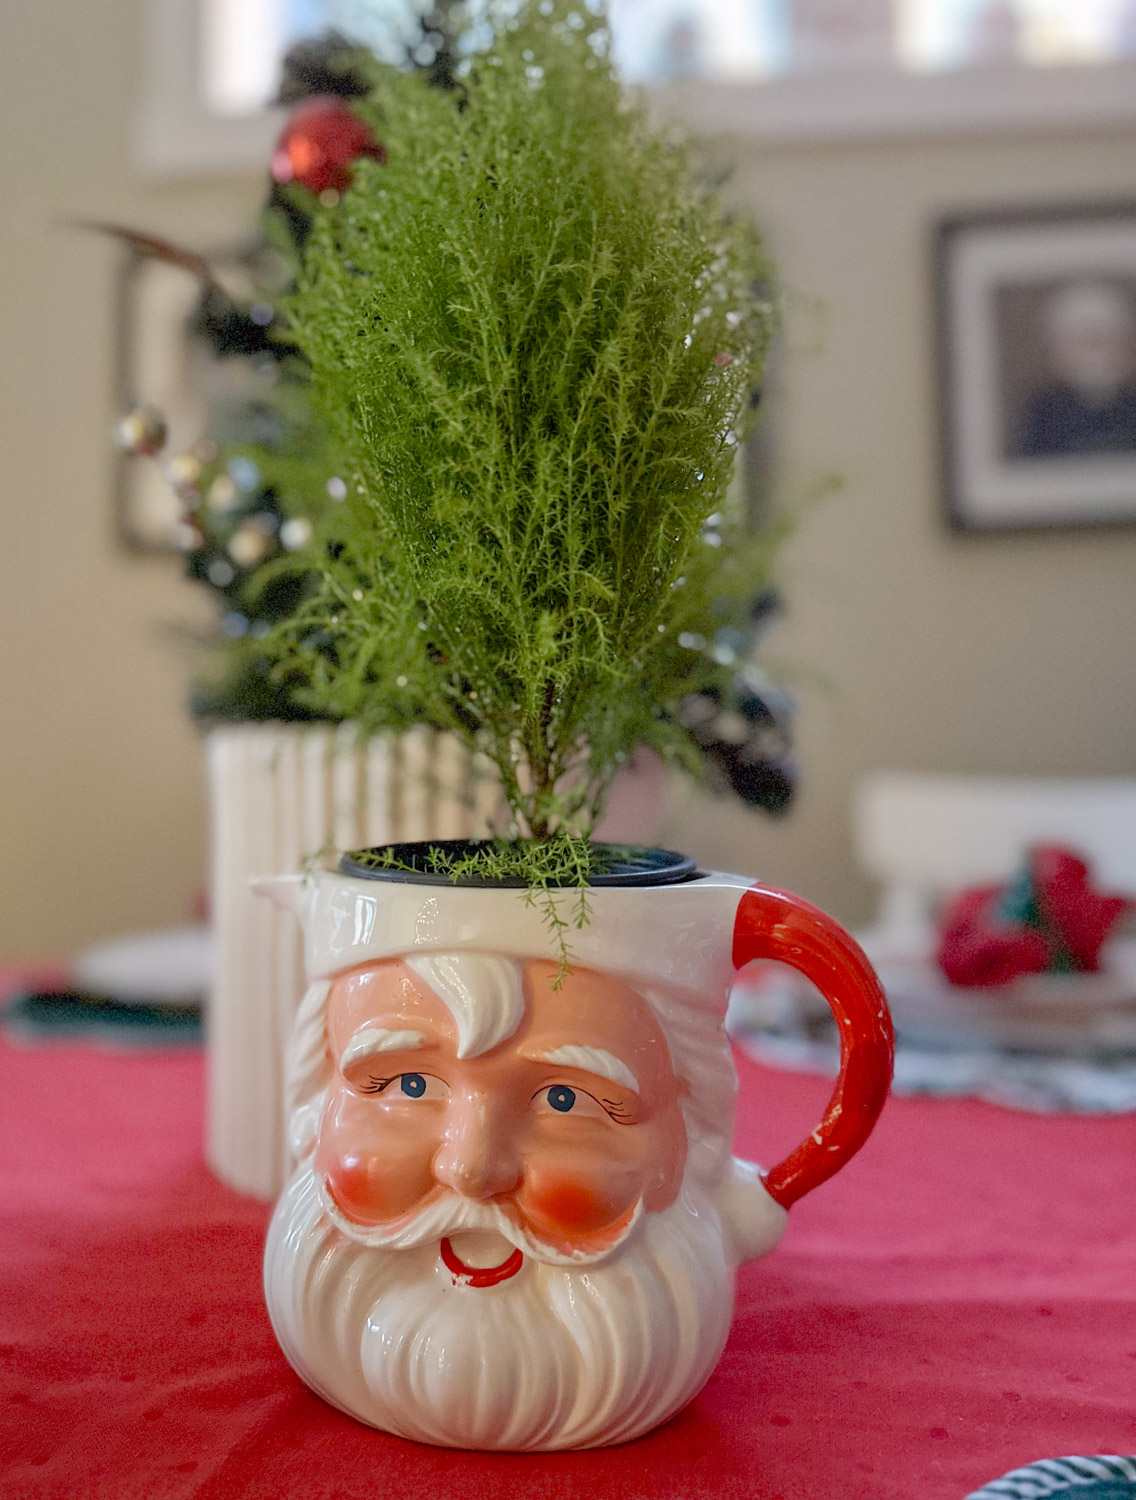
<point x="257" y="503"/>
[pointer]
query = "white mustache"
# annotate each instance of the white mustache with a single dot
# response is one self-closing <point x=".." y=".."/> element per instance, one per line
<point x="450" y="1214"/>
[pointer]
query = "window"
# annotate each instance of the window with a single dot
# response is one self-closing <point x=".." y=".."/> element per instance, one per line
<point x="774" y="67"/>
<point x="952" y="33"/>
<point x="661" y="40"/>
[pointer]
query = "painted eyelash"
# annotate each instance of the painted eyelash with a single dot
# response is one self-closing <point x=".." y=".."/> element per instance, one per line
<point x="618" y="1112"/>
<point x="374" y="1085"/>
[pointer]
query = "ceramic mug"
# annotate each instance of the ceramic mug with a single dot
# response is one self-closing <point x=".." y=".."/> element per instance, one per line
<point x="515" y="1217"/>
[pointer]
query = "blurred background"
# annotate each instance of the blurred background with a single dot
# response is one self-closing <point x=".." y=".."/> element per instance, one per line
<point x="911" y="162"/>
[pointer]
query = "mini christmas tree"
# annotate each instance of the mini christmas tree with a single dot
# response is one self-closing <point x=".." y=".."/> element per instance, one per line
<point x="533" y="335"/>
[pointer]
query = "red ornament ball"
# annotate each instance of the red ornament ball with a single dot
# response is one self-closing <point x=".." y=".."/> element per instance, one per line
<point x="320" y="144"/>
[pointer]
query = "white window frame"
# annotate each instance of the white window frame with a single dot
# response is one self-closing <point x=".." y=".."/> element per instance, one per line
<point x="177" y="136"/>
<point x="897" y="104"/>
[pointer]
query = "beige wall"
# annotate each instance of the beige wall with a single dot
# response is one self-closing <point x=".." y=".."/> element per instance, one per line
<point x="1005" y="655"/>
<point x="100" y="779"/>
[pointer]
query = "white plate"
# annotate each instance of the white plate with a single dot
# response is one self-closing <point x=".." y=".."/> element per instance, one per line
<point x="169" y="967"/>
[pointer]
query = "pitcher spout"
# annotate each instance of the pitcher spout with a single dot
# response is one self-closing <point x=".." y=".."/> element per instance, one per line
<point x="287" y="891"/>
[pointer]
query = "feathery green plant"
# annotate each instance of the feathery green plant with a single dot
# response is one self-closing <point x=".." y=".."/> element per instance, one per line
<point x="533" y="334"/>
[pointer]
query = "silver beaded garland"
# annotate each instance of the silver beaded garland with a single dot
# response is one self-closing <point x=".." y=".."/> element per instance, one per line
<point x="142" y="432"/>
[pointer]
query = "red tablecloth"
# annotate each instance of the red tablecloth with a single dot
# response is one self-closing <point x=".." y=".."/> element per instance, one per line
<point x="960" y="1301"/>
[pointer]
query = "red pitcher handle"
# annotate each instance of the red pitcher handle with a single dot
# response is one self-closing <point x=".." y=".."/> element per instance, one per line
<point x="773" y="924"/>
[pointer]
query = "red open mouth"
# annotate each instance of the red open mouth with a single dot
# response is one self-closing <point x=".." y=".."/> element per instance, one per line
<point x="479" y="1275"/>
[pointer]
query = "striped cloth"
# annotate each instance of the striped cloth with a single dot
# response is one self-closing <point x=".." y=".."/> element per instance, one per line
<point x="1104" y="1476"/>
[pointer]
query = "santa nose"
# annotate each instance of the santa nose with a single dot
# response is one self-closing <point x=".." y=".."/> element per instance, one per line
<point x="478" y="1157"/>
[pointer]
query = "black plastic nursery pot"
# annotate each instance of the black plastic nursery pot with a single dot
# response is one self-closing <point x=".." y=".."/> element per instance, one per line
<point x="427" y="862"/>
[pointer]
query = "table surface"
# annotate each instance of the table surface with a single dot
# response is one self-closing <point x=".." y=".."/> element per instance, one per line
<point x="961" y="1300"/>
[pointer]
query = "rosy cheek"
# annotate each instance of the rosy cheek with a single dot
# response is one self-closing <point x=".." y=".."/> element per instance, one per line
<point x="574" y="1207"/>
<point x="369" y="1181"/>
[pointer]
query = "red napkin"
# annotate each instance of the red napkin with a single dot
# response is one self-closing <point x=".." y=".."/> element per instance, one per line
<point x="1048" y="918"/>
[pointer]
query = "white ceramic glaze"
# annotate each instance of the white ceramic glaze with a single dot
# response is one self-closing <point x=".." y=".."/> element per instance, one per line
<point x="514" y="1218"/>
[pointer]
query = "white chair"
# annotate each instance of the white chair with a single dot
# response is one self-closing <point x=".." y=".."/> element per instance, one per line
<point x="926" y="836"/>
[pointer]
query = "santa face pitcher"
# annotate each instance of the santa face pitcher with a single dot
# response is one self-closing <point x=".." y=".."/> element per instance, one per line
<point x="515" y="1218"/>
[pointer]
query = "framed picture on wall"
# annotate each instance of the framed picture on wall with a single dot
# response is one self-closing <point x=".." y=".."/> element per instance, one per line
<point x="1037" y="357"/>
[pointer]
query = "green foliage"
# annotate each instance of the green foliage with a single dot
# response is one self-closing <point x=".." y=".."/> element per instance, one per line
<point x="541" y="867"/>
<point x="533" y="335"/>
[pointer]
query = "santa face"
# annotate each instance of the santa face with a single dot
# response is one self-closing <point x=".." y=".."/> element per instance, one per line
<point x="494" y="1243"/>
<point x="564" y="1128"/>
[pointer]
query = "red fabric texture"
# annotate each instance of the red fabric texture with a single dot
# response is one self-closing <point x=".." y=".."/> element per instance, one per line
<point x="959" y="1301"/>
<point x="981" y="947"/>
<point x="978" y="952"/>
<point x="1083" y="916"/>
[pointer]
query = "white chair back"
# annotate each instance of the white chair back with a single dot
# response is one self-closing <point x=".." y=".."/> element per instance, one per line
<point x="924" y="836"/>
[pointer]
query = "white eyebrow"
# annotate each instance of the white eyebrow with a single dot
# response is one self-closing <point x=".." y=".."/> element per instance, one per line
<point x="591" y="1060"/>
<point x="373" y="1040"/>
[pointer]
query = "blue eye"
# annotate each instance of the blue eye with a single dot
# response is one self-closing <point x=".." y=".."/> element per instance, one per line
<point x="561" y="1097"/>
<point x="414" y="1085"/>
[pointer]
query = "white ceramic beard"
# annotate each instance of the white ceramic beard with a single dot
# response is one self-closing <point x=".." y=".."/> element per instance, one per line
<point x="554" y="1357"/>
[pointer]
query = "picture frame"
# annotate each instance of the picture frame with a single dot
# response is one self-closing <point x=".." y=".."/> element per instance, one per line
<point x="1036" y="324"/>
